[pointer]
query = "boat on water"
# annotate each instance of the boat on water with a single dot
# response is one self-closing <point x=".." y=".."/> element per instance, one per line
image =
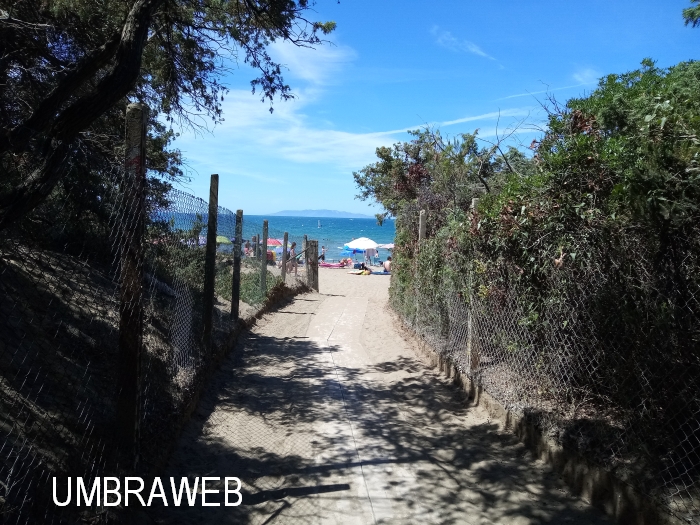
<point x="319" y="223"/>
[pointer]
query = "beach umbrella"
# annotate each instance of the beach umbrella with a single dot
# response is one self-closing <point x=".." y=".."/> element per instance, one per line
<point x="363" y="243"/>
<point x="274" y="242"/>
<point x="220" y="239"/>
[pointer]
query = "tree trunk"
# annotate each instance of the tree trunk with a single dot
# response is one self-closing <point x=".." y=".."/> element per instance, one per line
<point x="59" y="133"/>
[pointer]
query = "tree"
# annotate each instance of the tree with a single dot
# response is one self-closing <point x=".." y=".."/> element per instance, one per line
<point x="66" y="64"/>
<point x="691" y="15"/>
<point x="436" y="172"/>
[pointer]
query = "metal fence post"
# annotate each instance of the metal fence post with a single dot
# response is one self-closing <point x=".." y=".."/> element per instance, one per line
<point x="210" y="261"/>
<point x="131" y="247"/>
<point x="284" y="256"/>
<point x="312" y="265"/>
<point x="236" y="281"/>
<point x="263" y="261"/>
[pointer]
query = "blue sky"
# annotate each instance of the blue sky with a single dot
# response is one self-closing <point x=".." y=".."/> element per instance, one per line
<point x="397" y="65"/>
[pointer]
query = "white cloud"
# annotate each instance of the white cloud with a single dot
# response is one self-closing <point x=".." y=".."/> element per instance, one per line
<point x="261" y="146"/>
<point x="286" y="134"/>
<point x="292" y="136"/>
<point x="449" y="41"/>
<point x="531" y="93"/>
<point x="494" y="115"/>
<point x="319" y="65"/>
<point x="586" y="76"/>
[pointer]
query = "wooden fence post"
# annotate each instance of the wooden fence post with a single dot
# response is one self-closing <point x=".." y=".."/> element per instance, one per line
<point x="210" y="262"/>
<point x="131" y="248"/>
<point x="469" y="335"/>
<point x="472" y="355"/>
<point x="312" y="265"/>
<point x="304" y="246"/>
<point x="236" y="281"/>
<point x="284" y="256"/>
<point x="263" y="262"/>
<point x="421" y="225"/>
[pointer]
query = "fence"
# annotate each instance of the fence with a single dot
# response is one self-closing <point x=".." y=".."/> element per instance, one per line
<point x="110" y="317"/>
<point x="618" y="384"/>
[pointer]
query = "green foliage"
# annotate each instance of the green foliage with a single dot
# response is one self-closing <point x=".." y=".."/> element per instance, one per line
<point x="434" y="172"/>
<point x="250" y="287"/>
<point x="175" y="254"/>
<point x="616" y="202"/>
<point x="691" y="15"/>
<point x="645" y="141"/>
<point x="250" y="283"/>
<point x="601" y="226"/>
<point x="626" y="156"/>
<point x="176" y="259"/>
<point x="70" y="67"/>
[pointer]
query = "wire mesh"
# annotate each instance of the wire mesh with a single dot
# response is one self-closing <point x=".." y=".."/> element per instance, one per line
<point x="175" y="355"/>
<point x="617" y="383"/>
<point x="69" y="275"/>
<point x="295" y="267"/>
<point x="59" y="324"/>
<point x="173" y="352"/>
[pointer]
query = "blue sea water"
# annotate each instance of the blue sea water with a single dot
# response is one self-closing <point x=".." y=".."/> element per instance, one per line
<point x="333" y="233"/>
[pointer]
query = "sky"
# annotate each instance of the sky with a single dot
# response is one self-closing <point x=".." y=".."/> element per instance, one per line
<point x="392" y="66"/>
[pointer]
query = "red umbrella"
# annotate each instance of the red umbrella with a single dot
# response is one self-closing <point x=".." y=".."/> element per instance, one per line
<point x="274" y="242"/>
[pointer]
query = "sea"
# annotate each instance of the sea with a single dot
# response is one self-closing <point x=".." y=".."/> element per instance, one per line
<point x="332" y="233"/>
<point x="329" y="232"/>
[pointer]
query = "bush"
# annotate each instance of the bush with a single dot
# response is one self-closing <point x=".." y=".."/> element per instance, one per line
<point x="579" y="269"/>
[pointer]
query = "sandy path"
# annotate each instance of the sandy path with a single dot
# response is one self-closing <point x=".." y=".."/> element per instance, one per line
<point x="328" y="416"/>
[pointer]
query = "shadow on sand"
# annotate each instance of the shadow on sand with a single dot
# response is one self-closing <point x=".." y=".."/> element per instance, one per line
<point x="310" y="440"/>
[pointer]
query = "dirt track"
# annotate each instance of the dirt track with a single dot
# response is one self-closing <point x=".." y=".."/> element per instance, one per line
<point x="328" y="416"/>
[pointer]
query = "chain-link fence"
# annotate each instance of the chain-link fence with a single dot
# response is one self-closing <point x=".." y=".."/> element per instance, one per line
<point x="614" y="380"/>
<point x="59" y="349"/>
<point x="174" y="351"/>
<point x="176" y="355"/>
<point x="294" y="272"/>
<point x="108" y="329"/>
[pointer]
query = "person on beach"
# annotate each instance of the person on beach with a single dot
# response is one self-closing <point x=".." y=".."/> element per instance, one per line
<point x="247" y="248"/>
<point x="387" y="264"/>
<point x="322" y="257"/>
<point x="292" y="257"/>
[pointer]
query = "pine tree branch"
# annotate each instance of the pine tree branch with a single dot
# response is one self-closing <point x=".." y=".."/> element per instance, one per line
<point x="79" y="114"/>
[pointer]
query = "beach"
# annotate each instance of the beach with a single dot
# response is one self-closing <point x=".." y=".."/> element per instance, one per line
<point x="333" y="233"/>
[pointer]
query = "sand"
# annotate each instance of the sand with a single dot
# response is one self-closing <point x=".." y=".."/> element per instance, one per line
<point x="328" y="415"/>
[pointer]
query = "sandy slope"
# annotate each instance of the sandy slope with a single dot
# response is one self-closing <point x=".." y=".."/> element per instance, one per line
<point x="328" y="416"/>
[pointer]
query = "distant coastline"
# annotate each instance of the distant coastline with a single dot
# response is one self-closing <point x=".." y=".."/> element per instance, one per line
<point x="328" y="214"/>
